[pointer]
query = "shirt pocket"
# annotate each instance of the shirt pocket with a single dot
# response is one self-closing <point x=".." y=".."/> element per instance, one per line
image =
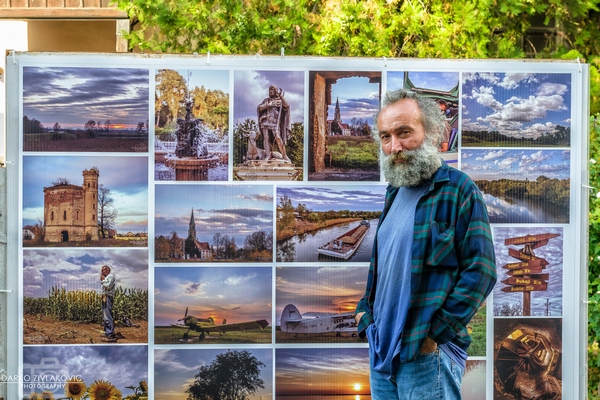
<point x="441" y="251"/>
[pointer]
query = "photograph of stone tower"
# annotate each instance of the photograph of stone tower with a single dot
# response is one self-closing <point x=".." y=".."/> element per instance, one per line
<point x="70" y="211"/>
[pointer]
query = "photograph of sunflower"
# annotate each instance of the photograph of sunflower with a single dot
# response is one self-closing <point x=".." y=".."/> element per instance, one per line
<point x="104" y="390"/>
<point x="75" y="389"/>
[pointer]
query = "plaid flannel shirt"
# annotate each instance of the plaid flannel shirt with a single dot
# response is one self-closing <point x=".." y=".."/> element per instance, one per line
<point x="453" y="263"/>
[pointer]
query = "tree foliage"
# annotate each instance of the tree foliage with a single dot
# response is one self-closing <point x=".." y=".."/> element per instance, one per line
<point x="231" y="376"/>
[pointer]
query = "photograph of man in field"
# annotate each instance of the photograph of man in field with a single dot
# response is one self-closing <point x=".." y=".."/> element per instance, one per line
<point x="63" y="297"/>
<point x="85" y="109"/>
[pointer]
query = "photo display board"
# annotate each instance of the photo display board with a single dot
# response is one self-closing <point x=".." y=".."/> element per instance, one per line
<point x="236" y="201"/>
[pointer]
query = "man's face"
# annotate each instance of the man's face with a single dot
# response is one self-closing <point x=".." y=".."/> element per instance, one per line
<point x="399" y="127"/>
<point x="272" y="92"/>
<point x="105" y="271"/>
<point x="409" y="158"/>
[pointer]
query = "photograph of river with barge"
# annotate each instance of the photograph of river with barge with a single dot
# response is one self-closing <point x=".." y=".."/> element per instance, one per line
<point x="327" y="223"/>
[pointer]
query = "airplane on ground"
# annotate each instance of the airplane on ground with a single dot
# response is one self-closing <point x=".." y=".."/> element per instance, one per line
<point x="208" y="325"/>
<point x="292" y="321"/>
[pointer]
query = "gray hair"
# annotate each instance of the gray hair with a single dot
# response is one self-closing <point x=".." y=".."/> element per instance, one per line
<point x="431" y="117"/>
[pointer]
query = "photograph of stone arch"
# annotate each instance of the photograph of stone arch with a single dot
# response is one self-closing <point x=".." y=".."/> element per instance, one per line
<point x="85" y="109"/>
<point x="268" y="132"/>
<point x="191" y="122"/>
<point x="342" y="106"/>
<point x="81" y="201"/>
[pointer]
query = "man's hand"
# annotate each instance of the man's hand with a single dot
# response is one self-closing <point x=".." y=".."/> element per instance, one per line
<point x="358" y="316"/>
<point x="428" y="346"/>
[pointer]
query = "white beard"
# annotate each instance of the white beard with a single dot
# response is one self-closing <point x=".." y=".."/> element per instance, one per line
<point x="417" y="167"/>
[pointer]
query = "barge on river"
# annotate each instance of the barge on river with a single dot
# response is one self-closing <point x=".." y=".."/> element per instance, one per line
<point x="345" y="246"/>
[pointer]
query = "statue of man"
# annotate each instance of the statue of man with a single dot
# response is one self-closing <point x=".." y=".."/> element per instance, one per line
<point x="274" y="121"/>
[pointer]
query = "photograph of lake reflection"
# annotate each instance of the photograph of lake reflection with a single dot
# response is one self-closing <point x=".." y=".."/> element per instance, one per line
<point x="521" y="186"/>
<point x="327" y="223"/>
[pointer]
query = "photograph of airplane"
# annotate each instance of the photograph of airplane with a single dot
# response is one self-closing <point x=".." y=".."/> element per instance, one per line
<point x="208" y="325"/>
<point x="292" y="321"/>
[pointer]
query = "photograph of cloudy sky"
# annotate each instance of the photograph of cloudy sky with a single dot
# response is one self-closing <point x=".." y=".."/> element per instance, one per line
<point x="516" y="110"/>
<point x="59" y="103"/>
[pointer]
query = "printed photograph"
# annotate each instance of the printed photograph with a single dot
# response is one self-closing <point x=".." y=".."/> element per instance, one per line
<point x="212" y="305"/>
<point x="85" y="109"/>
<point x="327" y="223"/>
<point x="522" y="186"/>
<point x="268" y="133"/>
<point x="342" y="106"/>
<point x="191" y="122"/>
<point x="338" y="373"/>
<point x="442" y="87"/>
<point x="317" y="304"/>
<point x="64" y="296"/>
<point x="530" y="271"/>
<point x="528" y="358"/>
<point x="473" y="381"/>
<point x="516" y="109"/>
<point x="85" y="372"/>
<point x="213" y="223"/>
<point x="216" y="373"/>
<point x="77" y="201"/>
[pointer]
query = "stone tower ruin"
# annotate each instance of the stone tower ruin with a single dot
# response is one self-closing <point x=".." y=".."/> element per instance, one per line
<point x="71" y="211"/>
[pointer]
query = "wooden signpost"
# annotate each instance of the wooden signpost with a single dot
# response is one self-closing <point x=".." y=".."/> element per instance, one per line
<point x="526" y="276"/>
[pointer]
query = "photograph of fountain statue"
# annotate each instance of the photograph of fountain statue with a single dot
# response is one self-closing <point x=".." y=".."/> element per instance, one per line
<point x="191" y="125"/>
<point x="268" y="135"/>
<point x="74" y="109"/>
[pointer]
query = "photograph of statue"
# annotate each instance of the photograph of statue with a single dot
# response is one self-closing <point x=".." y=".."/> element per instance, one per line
<point x="268" y="131"/>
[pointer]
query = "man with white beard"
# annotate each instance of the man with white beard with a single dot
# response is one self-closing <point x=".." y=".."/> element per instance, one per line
<point x="433" y="262"/>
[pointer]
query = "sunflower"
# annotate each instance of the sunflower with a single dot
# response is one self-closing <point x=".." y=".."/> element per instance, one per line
<point x="47" y="395"/>
<point x="144" y="386"/>
<point x="35" y="396"/>
<point x="103" y="390"/>
<point x="75" y="389"/>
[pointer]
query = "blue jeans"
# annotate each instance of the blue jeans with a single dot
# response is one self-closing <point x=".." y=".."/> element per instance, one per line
<point x="432" y="376"/>
<point x="107" y="315"/>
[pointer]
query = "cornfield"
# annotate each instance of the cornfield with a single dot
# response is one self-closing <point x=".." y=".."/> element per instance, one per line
<point x="85" y="305"/>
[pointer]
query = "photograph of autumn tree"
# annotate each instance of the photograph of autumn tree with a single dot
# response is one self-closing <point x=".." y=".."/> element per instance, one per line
<point x="516" y="109"/>
<point x="236" y="300"/>
<point x="85" y="109"/>
<point x="195" y="374"/>
<point x="191" y="125"/>
<point x="89" y="201"/>
<point x="213" y="223"/>
<point x="313" y="372"/>
<point x="62" y="295"/>
<point x="342" y="107"/>
<point x="312" y="221"/>
<point x="521" y="186"/>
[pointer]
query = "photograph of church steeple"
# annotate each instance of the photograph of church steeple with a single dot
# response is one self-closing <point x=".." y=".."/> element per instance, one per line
<point x="213" y="223"/>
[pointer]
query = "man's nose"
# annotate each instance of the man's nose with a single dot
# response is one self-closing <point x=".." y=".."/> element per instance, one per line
<point x="396" y="145"/>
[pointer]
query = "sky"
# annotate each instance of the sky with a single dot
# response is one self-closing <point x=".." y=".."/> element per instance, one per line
<point x="209" y="78"/>
<point x="121" y="365"/>
<point x="357" y="97"/>
<point x="234" y="210"/>
<point x="252" y="87"/>
<point x="322" y="371"/>
<point x="552" y="252"/>
<point x="517" y="104"/>
<point x="174" y="371"/>
<point x="339" y="197"/>
<point x="515" y="164"/>
<point x="445" y="81"/>
<point x="125" y="176"/>
<point x="78" y="269"/>
<point x="237" y="294"/>
<point x="71" y="96"/>
<point x="329" y="290"/>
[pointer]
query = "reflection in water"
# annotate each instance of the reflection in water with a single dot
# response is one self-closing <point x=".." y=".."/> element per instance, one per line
<point x="302" y="248"/>
<point x="508" y="210"/>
